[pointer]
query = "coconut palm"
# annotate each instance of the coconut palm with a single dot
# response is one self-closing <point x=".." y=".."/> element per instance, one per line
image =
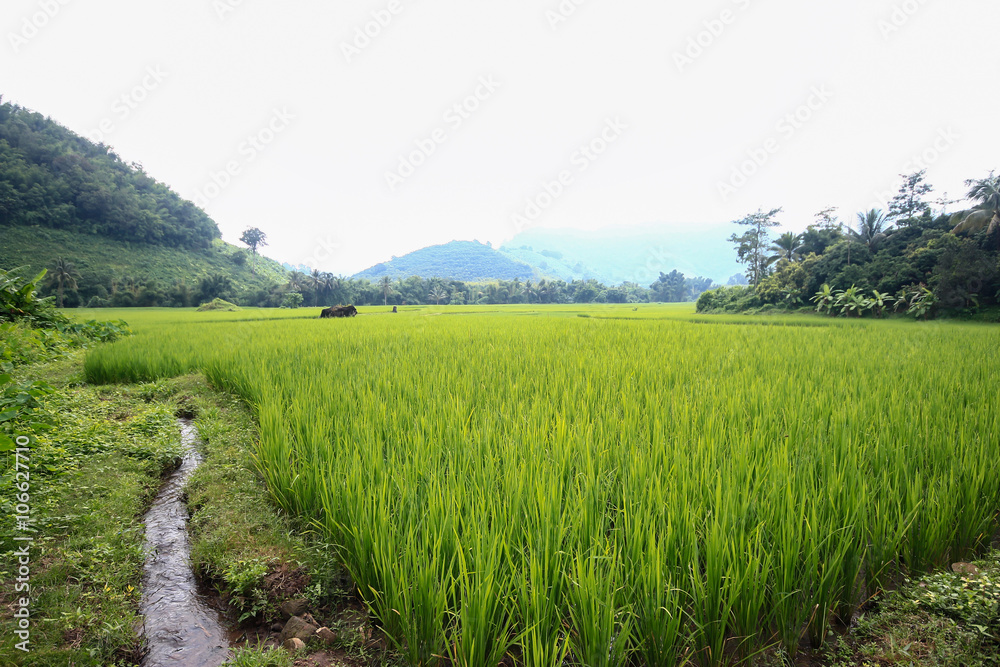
<point x="385" y="285"/>
<point x="297" y="281"/>
<point x="329" y="284"/>
<point x="872" y="228"/>
<point x="786" y="246"/>
<point x="63" y="275"/>
<point x="987" y="215"/>
<point x="438" y="294"/>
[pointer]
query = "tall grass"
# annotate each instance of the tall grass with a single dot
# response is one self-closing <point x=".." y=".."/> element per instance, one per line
<point x="614" y="489"/>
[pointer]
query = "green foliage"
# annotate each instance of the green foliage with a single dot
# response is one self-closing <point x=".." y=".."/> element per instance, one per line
<point x="248" y="656"/>
<point x="971" y="599"/>
<point x="19" y="301"/>
<point x="91" y="479"/>
<point x="752" y="245"/>
<point x="292" y="300"/>
<point x="254" y="238"/>
<point x="788" y="285"/>
<point x="51" y="177"/>
<point x="930" y="270"/>
<point x="734" y="299"/>
<point x="119" y="274"/>
<point x="243" y="581"/>
<point x="218" y="305"/>
<point x="909" y="202"/>
<point x="32" y="330"/>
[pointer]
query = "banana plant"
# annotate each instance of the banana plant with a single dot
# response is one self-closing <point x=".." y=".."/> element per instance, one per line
<point x="824" y="299"/>
<point x="923" y="303"/>
<point x="850" y="301"/>
<point x="878" y="301"/>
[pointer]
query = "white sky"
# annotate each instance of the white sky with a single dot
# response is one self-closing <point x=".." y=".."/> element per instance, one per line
<point x="226" y="66"/>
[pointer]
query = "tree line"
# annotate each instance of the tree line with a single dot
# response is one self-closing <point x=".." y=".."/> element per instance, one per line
<point x="904" y="259"/>
<point x="324" y="289"/>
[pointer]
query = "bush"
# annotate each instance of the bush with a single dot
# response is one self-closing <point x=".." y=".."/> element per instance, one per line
<point x="728" y="300"/>
<point x="219" y="305"/>
<point x="292" y="300"/>
<point x="970" y="599"/>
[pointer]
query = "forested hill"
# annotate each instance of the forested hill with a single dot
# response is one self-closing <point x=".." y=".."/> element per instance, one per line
<point x="458" y="260"/>
<point x="52" y="177"/>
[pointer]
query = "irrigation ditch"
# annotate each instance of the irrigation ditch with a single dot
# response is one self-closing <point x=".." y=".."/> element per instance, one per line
<point x="180" y="628"/>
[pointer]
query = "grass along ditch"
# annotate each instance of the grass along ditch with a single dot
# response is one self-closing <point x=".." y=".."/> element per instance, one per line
<point x="96" y="472"/>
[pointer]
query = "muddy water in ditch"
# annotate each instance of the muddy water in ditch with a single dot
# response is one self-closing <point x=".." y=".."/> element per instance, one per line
<point x="180" y="628"/>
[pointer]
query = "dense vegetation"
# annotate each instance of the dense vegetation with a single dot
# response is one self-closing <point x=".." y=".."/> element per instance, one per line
<point x="32" y="330"/>
<point x="319" y="288"/>
<point x="903" y="260"/>
<point x="626" y="487"/>
<point x="51" y="177"/>
<point x="100" y="272"/>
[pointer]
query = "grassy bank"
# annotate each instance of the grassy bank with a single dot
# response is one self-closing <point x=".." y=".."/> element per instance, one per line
<point x="92" y="475"/>
<point x="95" y="469"/>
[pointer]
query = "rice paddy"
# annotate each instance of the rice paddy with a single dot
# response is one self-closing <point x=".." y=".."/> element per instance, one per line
<point x="602" y="485"/>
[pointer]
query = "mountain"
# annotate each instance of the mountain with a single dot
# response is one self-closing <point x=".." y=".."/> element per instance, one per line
<point x="129" y="239"/>
<point x="635" y="254"/>
<point x="627" y="254"/>
<point x="52" y="177"/>
<point x="469" y="261"/>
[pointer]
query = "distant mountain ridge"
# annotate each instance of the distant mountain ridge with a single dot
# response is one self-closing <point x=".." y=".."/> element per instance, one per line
<point x="636" y="254"/>
<point x="468" y="261"/>
<point x="613" y="256"/>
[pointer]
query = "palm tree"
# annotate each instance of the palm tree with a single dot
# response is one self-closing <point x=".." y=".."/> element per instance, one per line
<point x="787" y="246"/>
<point x="871" y="230"/>
<point x="543" y="290"/>
<point x="438" y="294"/>
<point x="385" y="284"/>
<point x="296" y="281"/>
<point x="63" y="274"/>
<point x="529" y="291"/>
<point x="329" y="284"/>
<point x="987" y="215"/>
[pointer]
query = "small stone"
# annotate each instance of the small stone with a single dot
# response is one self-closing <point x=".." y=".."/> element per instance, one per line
<point x="291" y="608"/>
<point x="308" y="618"/>
<point x="326" y="635"/>
<point x="294" y="644"/>
<point x="964" y="568"/>
<point x="297" y="627"/>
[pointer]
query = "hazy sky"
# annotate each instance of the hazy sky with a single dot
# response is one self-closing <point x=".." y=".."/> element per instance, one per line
<point x="450" y="118"/>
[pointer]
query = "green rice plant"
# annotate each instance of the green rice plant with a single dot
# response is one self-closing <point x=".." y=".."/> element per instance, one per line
<point x="634" y="486"/>
<point x="601" y="624"/>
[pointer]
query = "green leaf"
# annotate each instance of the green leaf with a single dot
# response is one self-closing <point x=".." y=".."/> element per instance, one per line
<point x="6" y="444"/>
<point x="8" y="415"/>
<point x="5" y="379"/>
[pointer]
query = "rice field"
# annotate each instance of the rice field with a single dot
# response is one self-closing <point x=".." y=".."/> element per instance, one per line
<point x="606" y="486"/>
